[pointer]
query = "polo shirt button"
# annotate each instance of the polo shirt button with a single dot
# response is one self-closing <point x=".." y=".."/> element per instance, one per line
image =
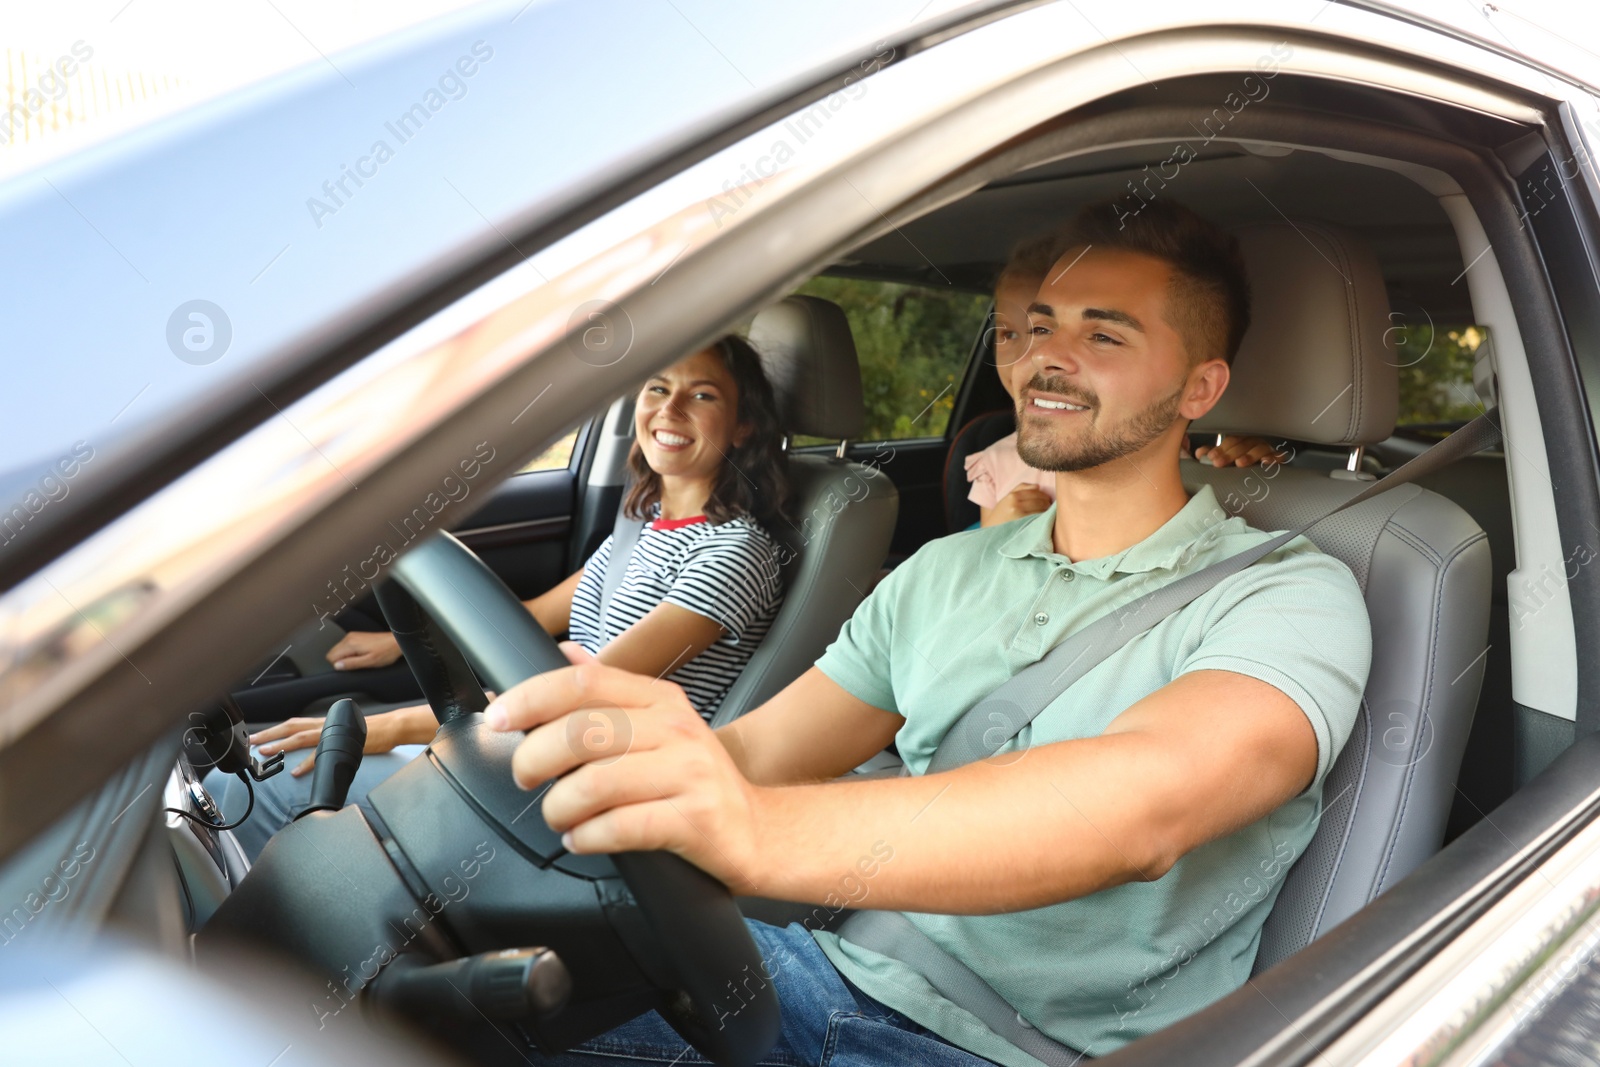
<point x="1068" y="575"/>
<point x="1041" y="618"/>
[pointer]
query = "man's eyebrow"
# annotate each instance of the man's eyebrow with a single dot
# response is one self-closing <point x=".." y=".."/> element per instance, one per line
<point x="1042" y="309"/>
<point x="1121" y="318"/>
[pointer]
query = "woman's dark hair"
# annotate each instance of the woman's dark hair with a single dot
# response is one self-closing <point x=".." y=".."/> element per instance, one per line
<point x="755" y="479"/>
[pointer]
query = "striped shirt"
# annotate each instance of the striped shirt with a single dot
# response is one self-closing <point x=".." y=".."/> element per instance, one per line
<point x="727" y="572"/>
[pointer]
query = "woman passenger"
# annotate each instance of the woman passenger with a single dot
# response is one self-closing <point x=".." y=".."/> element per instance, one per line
<point x="701" y="585"/>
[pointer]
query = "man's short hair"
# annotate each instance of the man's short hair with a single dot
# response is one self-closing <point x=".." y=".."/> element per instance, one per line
<point x="1209" y="299"/>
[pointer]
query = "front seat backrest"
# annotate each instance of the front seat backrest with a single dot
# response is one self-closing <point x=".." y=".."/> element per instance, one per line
<point x="843" y="513"/>
<point x="1316" y="366"/>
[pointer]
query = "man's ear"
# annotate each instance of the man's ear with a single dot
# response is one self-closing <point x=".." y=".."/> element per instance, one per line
<point x="1207" y="382"/>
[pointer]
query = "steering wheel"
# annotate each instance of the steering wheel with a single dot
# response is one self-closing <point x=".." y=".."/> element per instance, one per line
<point x="349" y="893"/>
<point x="447" y="609"/>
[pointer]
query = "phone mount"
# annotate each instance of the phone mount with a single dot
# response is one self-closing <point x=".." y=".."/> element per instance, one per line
<point x="217" y="737"/>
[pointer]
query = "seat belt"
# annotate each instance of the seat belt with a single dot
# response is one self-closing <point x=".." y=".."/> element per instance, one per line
<point x="624" y="535"/>
<point x="987" y="725"/>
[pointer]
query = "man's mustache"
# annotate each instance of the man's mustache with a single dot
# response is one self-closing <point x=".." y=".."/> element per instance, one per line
<point x="1060" y="387"/>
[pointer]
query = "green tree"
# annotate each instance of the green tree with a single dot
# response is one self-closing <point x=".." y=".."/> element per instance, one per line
<point x="1435" y="369"/>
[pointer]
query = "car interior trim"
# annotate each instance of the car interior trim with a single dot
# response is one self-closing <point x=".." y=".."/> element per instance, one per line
<point x="1544" y="654"/>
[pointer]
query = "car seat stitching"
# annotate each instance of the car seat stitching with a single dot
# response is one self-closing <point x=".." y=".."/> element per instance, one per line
<point x="1352" y="320"/>
<point x="1441" y="577"/>
<point x="1349" y="826"/>
<point x="1380" y="524"/>
<point x="1352" y="333"/>
<point x="1393" y="836"/>
<point x="1416" y="542"/>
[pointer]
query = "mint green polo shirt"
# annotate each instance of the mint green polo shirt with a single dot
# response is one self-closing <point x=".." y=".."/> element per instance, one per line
<point x="946" y="627"/>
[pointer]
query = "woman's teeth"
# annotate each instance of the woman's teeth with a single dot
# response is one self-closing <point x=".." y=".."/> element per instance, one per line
<point x="671" y="440"/>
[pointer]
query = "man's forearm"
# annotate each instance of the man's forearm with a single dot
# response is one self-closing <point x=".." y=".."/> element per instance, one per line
<point x="981" y="839"/>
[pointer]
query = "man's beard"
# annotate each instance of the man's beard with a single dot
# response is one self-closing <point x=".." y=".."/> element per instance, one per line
<point x="1043" y="451"/>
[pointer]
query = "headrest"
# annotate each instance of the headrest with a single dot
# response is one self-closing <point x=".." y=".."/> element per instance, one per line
<point x="1317" y="363"/>
<point x="810" y="358"/>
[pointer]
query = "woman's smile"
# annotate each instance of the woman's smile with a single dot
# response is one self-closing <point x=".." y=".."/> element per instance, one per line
<point x="670" y="441"/>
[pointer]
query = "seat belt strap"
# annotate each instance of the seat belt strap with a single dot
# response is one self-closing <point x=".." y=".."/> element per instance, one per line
<point x="995" y="720"/>
<point x="624" y="535"/>
<point x="990" y="723"/>
<point x="892" y="934"/>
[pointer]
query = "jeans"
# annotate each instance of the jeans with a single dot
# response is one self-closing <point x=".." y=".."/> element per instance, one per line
<point x="827" y="1021"/>
<point x="280" y="798"/>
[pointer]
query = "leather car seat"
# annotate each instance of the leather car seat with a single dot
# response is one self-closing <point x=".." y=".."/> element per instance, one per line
<point x="843" y="512"/>
<point x="1316" y="366"/>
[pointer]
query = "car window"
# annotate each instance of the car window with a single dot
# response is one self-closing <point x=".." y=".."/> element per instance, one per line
<point x="1435" y="368"/>
<point x="557" y="457"/>
<point x="913" y="342"/>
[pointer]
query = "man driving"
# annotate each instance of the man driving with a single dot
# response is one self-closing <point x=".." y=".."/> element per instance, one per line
<point x="1108" y="870"/>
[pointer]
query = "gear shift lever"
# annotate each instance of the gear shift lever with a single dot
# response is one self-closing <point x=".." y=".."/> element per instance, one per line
<point x="344" y="736"/>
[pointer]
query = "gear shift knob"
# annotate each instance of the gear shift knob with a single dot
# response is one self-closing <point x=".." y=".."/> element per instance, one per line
<point x="344" y="736"/>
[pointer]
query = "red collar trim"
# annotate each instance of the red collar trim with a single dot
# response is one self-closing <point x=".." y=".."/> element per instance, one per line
<point x="676" y="524"/>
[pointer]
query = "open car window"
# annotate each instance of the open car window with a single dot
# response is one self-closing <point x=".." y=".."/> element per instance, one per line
<point x="913" y="342"/>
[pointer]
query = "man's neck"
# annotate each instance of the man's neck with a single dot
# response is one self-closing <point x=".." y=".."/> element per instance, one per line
<point x="1105" y="509"/>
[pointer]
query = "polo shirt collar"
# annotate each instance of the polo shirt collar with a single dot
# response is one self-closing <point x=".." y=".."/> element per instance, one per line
<point x="1160" y="551"/>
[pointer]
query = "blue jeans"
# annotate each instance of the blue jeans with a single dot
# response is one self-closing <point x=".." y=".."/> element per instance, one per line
<point x="827" y="1021"/>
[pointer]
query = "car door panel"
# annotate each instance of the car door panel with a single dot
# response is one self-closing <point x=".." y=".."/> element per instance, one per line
<point x="522" y="530"/>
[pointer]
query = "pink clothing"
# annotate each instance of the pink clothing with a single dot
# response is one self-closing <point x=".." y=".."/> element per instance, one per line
<point x="998" y="469"/>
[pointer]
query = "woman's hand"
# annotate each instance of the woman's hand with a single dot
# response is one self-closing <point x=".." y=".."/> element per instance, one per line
<point x="1025" y="499"/>
<point x="640" y="769"/>
<point x="1237" y="451"/>
<point x="357" y="650"/>
<point x="385" y="730"/>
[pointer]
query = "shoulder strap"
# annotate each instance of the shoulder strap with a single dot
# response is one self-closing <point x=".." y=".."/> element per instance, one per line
<point x="890" y="933"/>
<point x="624" y="535"/>
<point x="996" y="719"/>
<point x="1021" y="698"/>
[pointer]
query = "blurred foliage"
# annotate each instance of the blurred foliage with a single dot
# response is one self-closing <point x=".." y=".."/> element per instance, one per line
<point x="556" y="457"/>
<point x="1436" y="373"/>
<point x="913" y="343"/>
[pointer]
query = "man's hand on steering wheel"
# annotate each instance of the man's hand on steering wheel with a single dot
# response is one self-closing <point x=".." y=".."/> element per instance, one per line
<point x="646" y="771"/>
